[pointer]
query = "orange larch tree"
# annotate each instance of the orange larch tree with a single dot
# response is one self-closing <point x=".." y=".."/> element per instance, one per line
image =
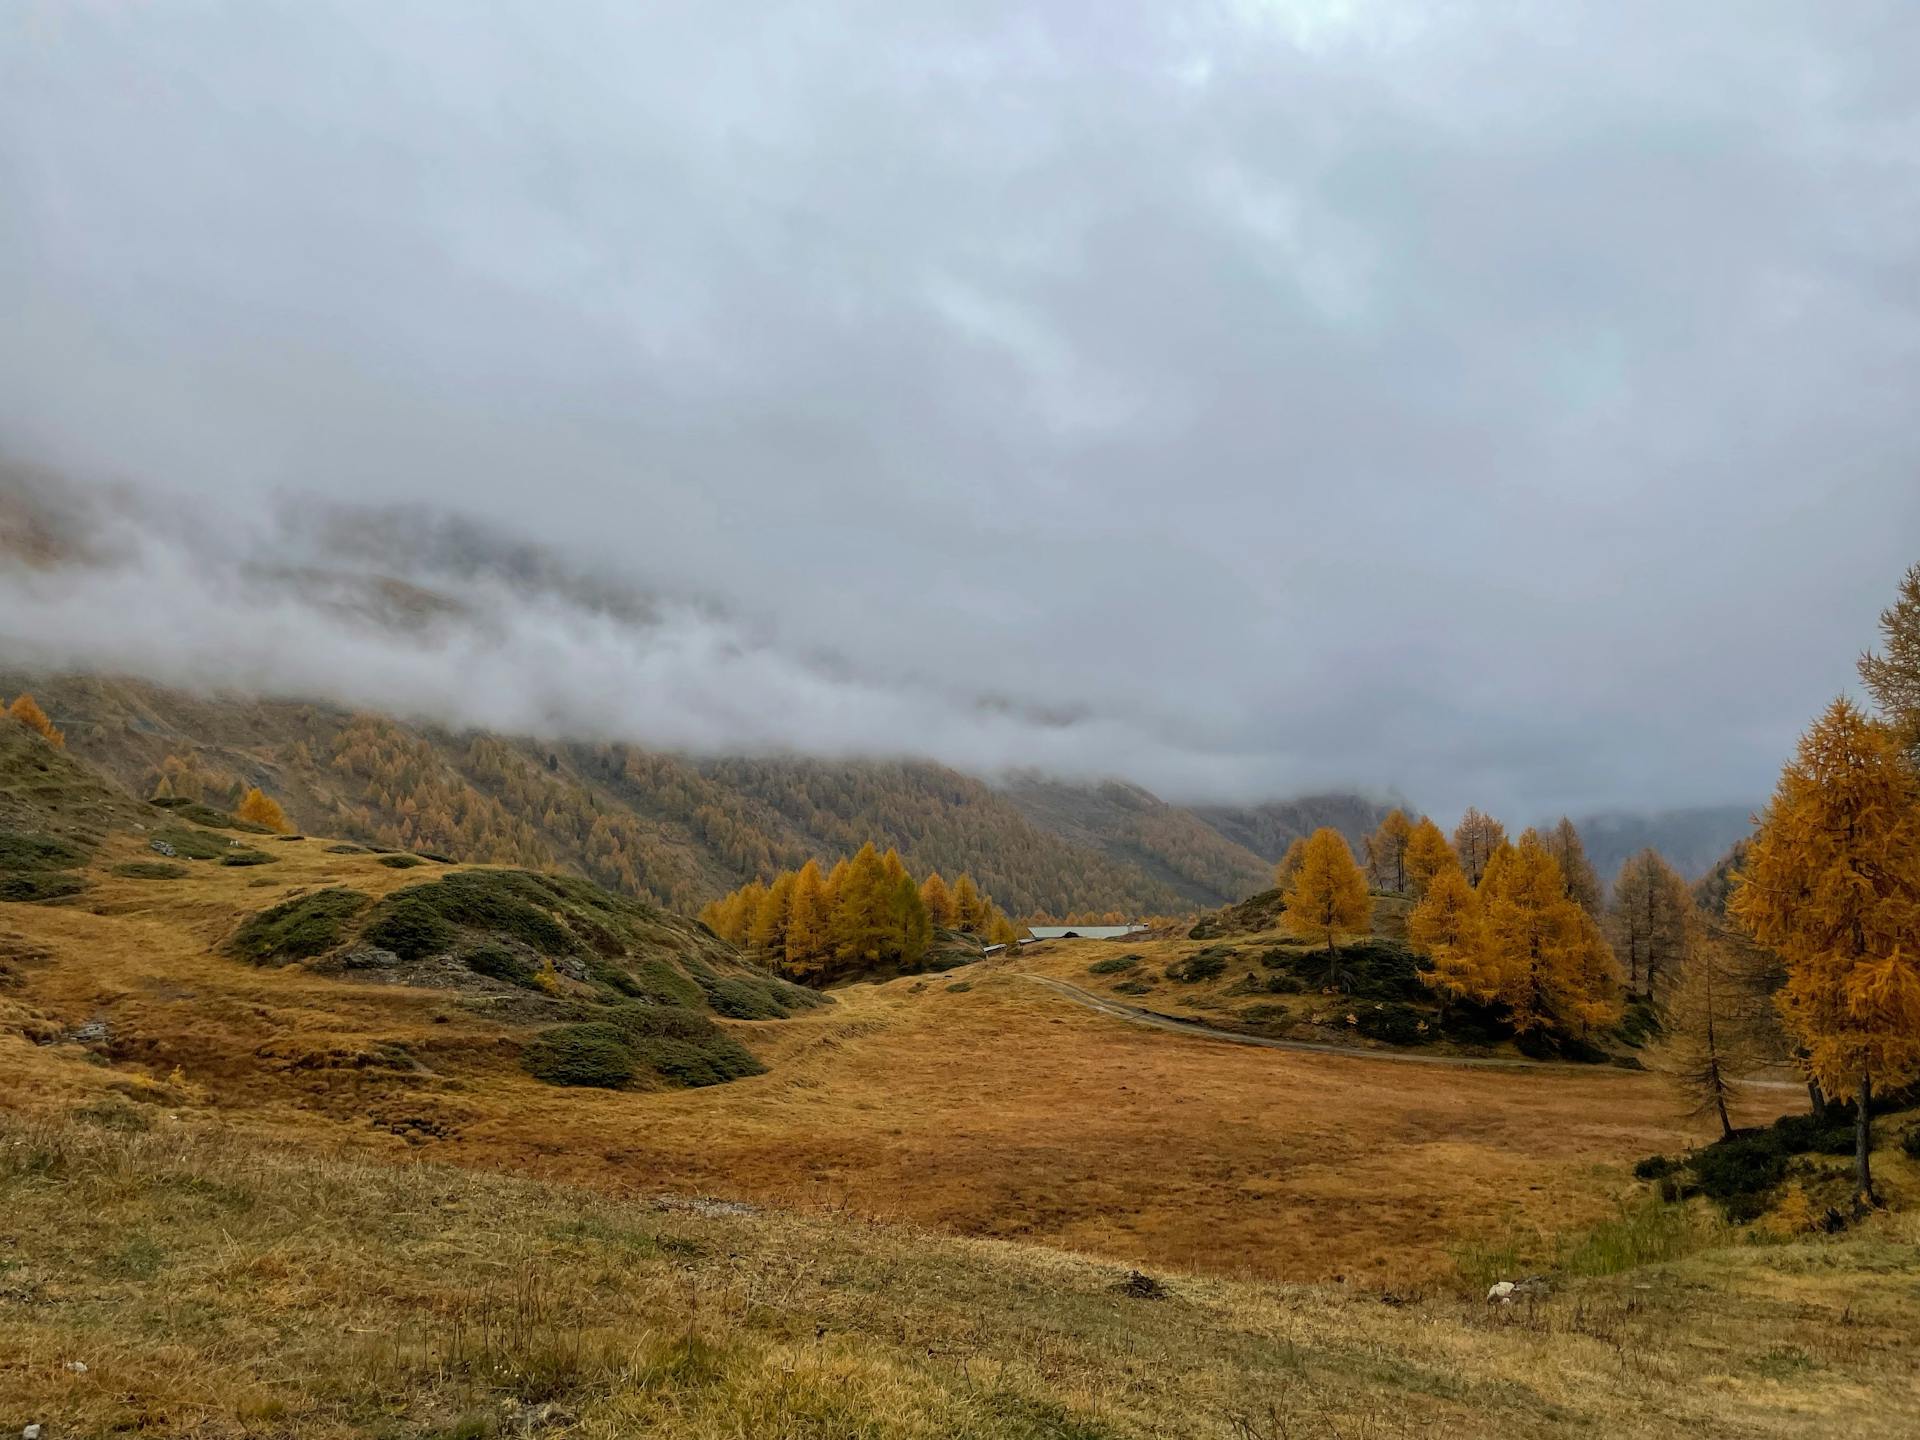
<point x="27" y="711"/>
<point x="1328" y="894"/>
<point x="1832" y="885"/>
<point x="1475" y="840"/>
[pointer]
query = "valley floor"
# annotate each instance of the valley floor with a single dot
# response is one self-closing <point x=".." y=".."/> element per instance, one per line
<point x="182" y="1281"/>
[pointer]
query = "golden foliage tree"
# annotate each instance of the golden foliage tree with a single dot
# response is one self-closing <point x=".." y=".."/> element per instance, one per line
<point x="27" y="711"/>
<point x="1447" y="927"/>
<point x="1328" y="894"/>
<point x="1648" y="920"/>
<point x="938" y="900"/>
<point x="969" y="909"/>
<point x="258" y="808"/>
<point x="1707" y="1018"/>
<point x="1387" y="852"/>
<point x="1290" y="863"/>
<point x="1554" y="967"/>
<point x="1832" y="884"/>
<point x="769" y="932"/>
<point x="808" y="914"/>
<point x="1428" y="853"/>
<point x="1570" y="853"/>
<point x="1475" y="840"/>
<point x="1893" y="676"/>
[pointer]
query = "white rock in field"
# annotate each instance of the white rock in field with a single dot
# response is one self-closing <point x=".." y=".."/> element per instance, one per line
<point x="1501" y="1293"/>
<point x="32" y="1432"/>
<point x="77" y="1367"/>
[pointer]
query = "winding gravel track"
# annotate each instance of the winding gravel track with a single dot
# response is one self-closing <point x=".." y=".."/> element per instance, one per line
<point x="1105" y="1005"/>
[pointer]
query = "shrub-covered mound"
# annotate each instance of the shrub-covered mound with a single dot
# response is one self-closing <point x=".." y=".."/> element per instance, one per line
<point x="621" y="992"/>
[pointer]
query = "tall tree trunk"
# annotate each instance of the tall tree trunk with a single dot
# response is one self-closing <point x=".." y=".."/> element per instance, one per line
<point x="1819" y="1099"/>
<point x="1720" y="1103"/>
<point x="1863" y="1139"/>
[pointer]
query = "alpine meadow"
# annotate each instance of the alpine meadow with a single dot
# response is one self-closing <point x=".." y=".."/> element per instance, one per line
<point x="959" y="723"/>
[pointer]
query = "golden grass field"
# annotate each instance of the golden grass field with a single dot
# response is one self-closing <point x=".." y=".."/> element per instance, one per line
<point x="999" y="1109"/>
<point x="275" y="1202"/>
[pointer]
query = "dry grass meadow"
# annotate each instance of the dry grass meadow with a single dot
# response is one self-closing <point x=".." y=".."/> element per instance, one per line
<point x="265" y="1202"/>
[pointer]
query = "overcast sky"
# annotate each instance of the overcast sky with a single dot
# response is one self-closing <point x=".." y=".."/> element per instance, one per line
<point x="1511" y="403"/>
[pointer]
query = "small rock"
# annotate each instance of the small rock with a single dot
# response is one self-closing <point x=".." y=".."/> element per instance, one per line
<point x="32" y="1432"/>
<point x="161" y="847"/>
<point x="76" y="1367"/>
<point x="1500" y="1293"/>
<point x="1140" y="1286"/>
<point x="94" y="1032"/>
<point x="1533" y="1287"/>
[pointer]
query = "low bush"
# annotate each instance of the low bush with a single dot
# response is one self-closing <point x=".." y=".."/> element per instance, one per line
<point x="1114" y="965"/>
<point x="193" y="844"/>
<point x="744" y="999"/>
<point x="1208" y="964"/>
<point x="1395" y="1024"/>
<point x="248" y="857"/>
<point x="1134" y="987"/>
<point x="1655" y="1167"/>
<point x="411" y="927"/>
<point x="1910" y="1143"/>
<point x="594" y="1055"/>
<point x="400" y="862"/>
<point x="38" y="886"/>
<point x="150" y="870"/>
<point x="23" y="850"/>
<point x="500" y="964"/>
<point x="300" y="928"/>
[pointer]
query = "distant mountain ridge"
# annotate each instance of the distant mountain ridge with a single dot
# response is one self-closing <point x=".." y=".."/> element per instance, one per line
<point x="673" y="828"/>
<point x="1691" y="839"/>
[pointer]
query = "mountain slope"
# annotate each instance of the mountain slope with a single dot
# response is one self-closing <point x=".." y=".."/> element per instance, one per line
<point x="1691" y="840"/>
<point x="654" y="824"/>
<point x="1268" y="829"/>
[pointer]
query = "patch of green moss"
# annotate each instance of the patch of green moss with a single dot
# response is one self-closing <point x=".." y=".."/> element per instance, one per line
<point x="248" y="857"/>
<point x="38" y="886"/>
<point x="497" y="963"/>
<point x="594" y="1055"/>
<point x="299" y="929"/>
<point x="193" y="844"/>
<point x="1114" y="965"/>
<point x="401" y="862"/>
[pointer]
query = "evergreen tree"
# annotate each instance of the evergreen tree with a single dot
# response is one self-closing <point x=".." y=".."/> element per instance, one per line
<point x="1832" y="884"/>
<point x="1328" y="894"/>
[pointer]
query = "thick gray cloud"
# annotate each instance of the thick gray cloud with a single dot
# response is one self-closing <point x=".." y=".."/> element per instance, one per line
<point x="1510" y="403"/>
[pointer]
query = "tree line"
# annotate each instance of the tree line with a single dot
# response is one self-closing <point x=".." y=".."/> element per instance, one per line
<point x="867" y="913"/>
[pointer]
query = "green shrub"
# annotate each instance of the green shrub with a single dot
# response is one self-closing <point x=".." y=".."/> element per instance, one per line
<point x="595" y="1055"/>
<point x="1205" y="965"/>
<point x="1114" y="965"/>
<point x="1395" y="1024"/>
<point x="1134" y="987"/>
<point x="411" y="927"/>
<point x="21" y="850"/>
<point x="150" y="870"/>
<point x="1655" y="1167"/>
<point x="248" y="857"/>
<point x="38" y="886"/>
<point x="694" y="1066"/>
<point x="300" y="928"/>
<point x="1381" y="970"/>
<point x="193" y="844"/>
<point x="345" y="849"/>
<point x="959" y="987"/>
<point x="1746" y="1165"/>
<point x="498" y="964"/>
<point x="1284" y="985"/>
<point x="400" y="862"/>
<point x="741" y="999"/>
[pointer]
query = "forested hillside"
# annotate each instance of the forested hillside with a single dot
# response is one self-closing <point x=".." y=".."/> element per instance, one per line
<point x="662" y="826"/>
